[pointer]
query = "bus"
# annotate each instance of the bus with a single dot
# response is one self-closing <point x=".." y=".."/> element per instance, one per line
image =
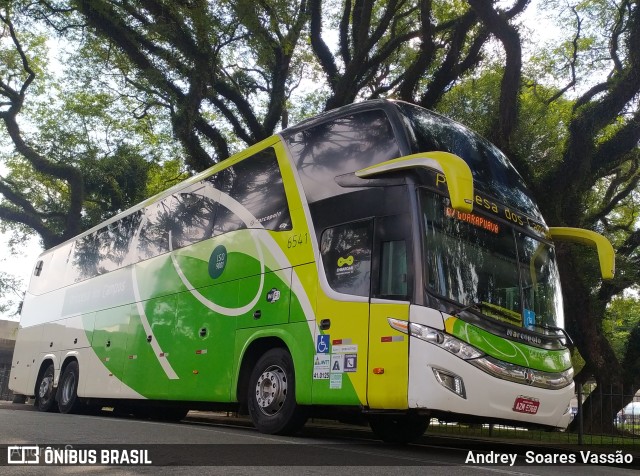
<point x="378" y="260"/>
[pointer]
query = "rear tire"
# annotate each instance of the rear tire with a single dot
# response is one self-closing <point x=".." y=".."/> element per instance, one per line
<point x="68" y="401"/>
<point x="398" y="429"/>
<point x="45" y="395"/>
<point x="272" y="396"/>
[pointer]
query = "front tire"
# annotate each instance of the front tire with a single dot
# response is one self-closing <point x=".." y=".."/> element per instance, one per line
<point x="398" y="429"/>
<point x="45" y="395"/>
<point x="272" y="397"/>
<point x="68" y="401"/>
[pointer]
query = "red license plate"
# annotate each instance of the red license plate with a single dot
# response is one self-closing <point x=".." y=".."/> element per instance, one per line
<point x="526" y="405"/>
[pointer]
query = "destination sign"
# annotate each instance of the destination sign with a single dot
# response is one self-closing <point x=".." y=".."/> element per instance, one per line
<point x="473" y="219"/>
<point x="487" y="204"/>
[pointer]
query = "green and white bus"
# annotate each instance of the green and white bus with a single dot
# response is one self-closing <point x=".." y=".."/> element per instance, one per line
<point x="379" y="258"/>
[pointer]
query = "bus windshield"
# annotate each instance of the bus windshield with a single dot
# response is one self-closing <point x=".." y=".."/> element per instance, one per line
<point x="481" y="262"/>
<point x="492" y="172"/>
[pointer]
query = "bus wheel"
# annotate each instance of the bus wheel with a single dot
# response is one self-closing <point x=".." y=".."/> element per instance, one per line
<point x="68" y="393"/>
<point x="272" y="398"/>
<point x="45" y="396"/>
<point x="399" y="429"/>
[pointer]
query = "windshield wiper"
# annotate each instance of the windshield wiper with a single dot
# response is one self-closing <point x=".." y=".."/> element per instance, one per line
<point x="474" y="304"/>
<point x="557" y="330"/>
<point x="569" y="342"/>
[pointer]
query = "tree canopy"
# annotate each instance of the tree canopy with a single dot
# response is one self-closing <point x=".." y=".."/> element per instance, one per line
<point x="144" y="92"/>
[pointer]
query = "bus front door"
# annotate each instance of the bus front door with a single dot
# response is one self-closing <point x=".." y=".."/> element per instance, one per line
<point x="388" y="364"/>
<point x="342" y="326"/>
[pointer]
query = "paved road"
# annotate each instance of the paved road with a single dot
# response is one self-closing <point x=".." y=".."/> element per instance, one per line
<point x="210" y="447"/>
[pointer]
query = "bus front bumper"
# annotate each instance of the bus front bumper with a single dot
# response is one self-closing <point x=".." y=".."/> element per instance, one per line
<point x="441" y="382"/>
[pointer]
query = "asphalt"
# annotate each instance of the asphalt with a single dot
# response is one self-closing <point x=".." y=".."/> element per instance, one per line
<point x="342" y="431"/>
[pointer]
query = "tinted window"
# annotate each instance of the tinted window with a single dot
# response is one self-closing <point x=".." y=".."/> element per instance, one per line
<point x="104" y="250"/>
<point x="184" y="218"/>
<point x="256" y="183"/>
<point x="338" y="147"/>
<point x="194" y="211"/>
<point x="393" y="268"/>
<point x="493" y="174"/>
<point x="189" y="216"/>
<point x="346" y="255"/>
<point x="86" y="257"/>
<point x="158" y="226"/>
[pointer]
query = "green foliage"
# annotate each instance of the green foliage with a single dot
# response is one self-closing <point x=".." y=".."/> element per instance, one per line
<point x="474" y="100"/>
<point x="129" y="96"/>
<point x="622" y="316"/>
<point x="10" y="293"/>
<point x="541" y="133"/>
<point x="160" y="177"/>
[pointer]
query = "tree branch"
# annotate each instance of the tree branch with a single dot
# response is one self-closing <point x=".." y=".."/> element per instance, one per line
<point x="498" y="24"/>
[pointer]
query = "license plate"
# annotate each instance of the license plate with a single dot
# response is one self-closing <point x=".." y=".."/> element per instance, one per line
<point x="526" y="405"/>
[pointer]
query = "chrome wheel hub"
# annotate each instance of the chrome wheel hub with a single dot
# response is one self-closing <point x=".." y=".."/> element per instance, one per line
<point x="271" y="390"/>
<point x="46" y="385"/>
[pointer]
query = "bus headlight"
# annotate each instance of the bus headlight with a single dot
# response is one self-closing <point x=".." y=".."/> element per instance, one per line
<point x="445" y="341"/>
<point x="484" y="362"/>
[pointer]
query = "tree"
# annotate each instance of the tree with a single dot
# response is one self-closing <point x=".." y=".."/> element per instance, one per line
<point x="10" y="291"/>
<point x="74" y="154"/>
<point x="589" y="178"/>
<point x="222" y="75"/>
<point x="622" y="316"/>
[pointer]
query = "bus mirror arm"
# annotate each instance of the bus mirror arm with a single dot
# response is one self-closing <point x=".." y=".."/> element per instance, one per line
<point x="606" y="254"/>
<point x="570" y="344"/>
<point x="456" y="174"/>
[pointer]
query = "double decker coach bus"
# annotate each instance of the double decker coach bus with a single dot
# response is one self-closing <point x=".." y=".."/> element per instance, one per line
<point x="378" y="258"/>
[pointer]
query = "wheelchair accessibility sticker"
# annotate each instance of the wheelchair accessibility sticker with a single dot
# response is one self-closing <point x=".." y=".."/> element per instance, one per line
<point x="322" y="344"/>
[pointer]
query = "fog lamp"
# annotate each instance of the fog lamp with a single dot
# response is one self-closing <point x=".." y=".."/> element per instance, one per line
<point x="450" y="381"/>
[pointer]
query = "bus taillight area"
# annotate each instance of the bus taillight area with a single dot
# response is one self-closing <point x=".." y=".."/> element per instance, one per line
<point x="445" y="384"/>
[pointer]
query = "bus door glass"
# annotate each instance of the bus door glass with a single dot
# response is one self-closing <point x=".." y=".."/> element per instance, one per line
<point x="340" y="359"/>
<point x="390" y="290"/>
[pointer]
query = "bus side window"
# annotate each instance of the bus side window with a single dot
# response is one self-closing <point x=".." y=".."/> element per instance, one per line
<point x="194" y="210"/>
<point x="154" y="236"/>
<point x="346" y="255"/>
<point x="341" y="146"/>
<point x="393" y="269"/>
<point x="256" y="183"/>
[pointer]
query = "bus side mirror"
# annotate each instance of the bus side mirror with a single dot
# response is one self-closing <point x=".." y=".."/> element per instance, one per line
<point x="456" y="172"/>
<point x="606" y="254"/>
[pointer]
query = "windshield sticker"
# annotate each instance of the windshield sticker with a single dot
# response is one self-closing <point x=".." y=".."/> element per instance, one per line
<point x="529" y="319"/>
